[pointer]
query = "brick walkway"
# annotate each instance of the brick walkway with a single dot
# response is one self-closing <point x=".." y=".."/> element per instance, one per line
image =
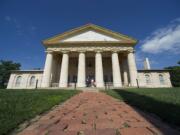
<point x="91" y="113"/>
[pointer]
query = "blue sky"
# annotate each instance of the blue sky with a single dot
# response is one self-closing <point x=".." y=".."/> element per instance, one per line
<point x="25" y="23"/>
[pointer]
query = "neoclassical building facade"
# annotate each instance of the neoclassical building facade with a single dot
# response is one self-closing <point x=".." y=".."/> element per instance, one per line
<point x="89" y="56"/>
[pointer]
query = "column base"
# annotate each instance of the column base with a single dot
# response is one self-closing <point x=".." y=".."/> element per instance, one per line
<point x="117" y="84"/>
<point x="125" y="84"/>
<point x="63" y="85"/>
<point x="81" y="85"/>
<point x="133" y="85"/>
<point x="100" y="85"/>
<point x="45" y="85"/>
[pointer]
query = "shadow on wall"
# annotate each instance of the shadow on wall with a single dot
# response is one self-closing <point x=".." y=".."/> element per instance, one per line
<point x="167" y="112"/>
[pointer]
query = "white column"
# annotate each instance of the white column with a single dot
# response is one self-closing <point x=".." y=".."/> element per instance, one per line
<point x="132" y="69"/>
<point x="81" y="79"/>
<point x="99" y="70"/>
<point x="125" y="72"/>
<point x="63" y="82"/>
<point x="47" y="70"/>
<point x="11" y="81"/>
<point x="117" y="82"/>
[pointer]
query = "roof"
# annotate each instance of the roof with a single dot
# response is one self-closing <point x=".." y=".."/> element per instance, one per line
<point x="55" y="39"/>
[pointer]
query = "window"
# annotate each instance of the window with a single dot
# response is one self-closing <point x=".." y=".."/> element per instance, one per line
<point x="161" y="79"/>
<point x="148" y="81"/>
<point x="32" y="81"/>
<point x="18" y="81"/>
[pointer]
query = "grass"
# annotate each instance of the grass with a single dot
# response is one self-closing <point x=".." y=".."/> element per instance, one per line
<point x="163" y="102"/>
<point x="17" y="106"/>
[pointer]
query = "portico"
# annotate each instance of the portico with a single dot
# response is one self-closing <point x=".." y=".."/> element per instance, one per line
<point x="77" y="66"/>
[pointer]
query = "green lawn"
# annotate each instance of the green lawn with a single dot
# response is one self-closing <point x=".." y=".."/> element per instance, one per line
<point x="17" y="106"/>
<point x="164" y="102"/>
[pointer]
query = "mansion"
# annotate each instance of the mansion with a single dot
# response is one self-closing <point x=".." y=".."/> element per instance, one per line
<point x="89" y="56"/>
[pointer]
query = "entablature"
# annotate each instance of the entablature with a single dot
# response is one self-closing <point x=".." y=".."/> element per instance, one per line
<point x="90" y="48"/>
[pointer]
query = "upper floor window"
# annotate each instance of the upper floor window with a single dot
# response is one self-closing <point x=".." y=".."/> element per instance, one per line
<point x="32" y="81"/>
<point x="148" y="80"/>
<point x="18" y="81"/>
<point x="161" y="79"/>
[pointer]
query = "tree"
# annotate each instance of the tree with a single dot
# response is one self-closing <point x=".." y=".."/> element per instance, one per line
<point x="175" y="75"/>
<point x="179" y="62"/>
<point x="5" y="71"/>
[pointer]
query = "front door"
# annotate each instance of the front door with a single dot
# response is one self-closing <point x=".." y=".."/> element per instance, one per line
<point x="90" y="80"/>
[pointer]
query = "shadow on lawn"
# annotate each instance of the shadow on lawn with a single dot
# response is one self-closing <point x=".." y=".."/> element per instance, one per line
<point x="169" y="113"/>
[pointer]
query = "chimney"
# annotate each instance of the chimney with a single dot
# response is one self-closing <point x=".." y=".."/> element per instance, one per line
<point x="146" y="64"/>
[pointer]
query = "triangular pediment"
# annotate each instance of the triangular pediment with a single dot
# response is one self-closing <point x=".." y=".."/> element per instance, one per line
<point x="89" y="33"/>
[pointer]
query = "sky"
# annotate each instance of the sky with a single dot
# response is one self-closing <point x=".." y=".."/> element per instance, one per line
<point x="154" y="23"/>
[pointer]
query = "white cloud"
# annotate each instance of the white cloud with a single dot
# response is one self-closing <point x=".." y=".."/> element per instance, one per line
<point x="164" y="39"/>
<point x="22" y="28"/>
<point x="139" y="56"/>
<point x="7" y="18"/>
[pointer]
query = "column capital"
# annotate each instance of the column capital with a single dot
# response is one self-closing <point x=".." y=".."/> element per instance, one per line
<point x="115" y="51"/>
<point x="99" y="51"/>
<point x="65" y="52"/>
<point x="49" y="52"/>
<point x="82" y="51"/>
<point x="131" y="51"/>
